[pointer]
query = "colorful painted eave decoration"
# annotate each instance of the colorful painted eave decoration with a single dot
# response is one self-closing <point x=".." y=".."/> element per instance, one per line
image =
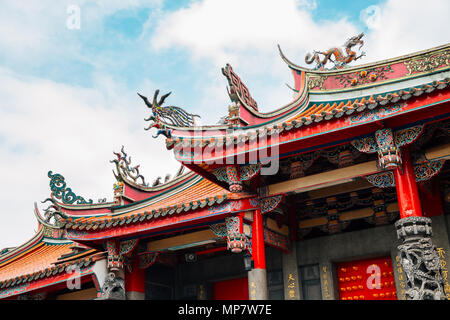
<point x="396" y="69"/>
<point x="101" y="223"/>
<point x="314" y="114"/>
<point x="301" y="128"/>
<point x="148" y="224"/>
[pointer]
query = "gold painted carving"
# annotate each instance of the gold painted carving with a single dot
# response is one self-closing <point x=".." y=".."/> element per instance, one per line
<point x="316" y="81"/>
<point x="428" y="62"/>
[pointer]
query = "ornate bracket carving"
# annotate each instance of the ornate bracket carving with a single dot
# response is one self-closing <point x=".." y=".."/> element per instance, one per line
<point x="407" y="136"/>
<point x="384" y="179"/>
<point x="342" y="156"/>
<point x="219" y="229"/>
<point x="388" y="153"/>
<point x="118" y="252"/>
<point x="302" y="163"/>
<point x="269" y="204"/>
<point x="423" y="171"/>
<point x="147" y="259"/>
<point x="236" y="240"/>
<point x="366" y="144"/>
<point x="235" y="174"/>
<point x="428" y="169"/>
<point x="386" y="143"/>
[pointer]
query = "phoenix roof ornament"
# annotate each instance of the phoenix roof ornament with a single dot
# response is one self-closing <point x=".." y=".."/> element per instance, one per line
<point x="171" y="115"/>
<point x="340" y="59"/>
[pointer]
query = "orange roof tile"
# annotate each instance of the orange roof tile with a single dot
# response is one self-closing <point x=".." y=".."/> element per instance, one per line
<point x="199" y="191"/>
<point x="41" y="256"/>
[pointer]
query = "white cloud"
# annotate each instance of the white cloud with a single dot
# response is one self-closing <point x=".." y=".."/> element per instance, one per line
<point x="221" y="30"/>
<point x="40" y="26"/>
<point x="245" y="34"/>
<point x="408" y="28"/>
<point x="71" y="130"/>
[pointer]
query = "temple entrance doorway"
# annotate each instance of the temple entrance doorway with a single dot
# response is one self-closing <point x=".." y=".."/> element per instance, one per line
<point x="234" y="289"/>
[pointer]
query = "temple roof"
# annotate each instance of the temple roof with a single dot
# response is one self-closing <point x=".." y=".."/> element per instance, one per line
<point x="135" y="201"/>
<point x="329" y="94"/>
<point x="42" y="261"/>
<point x="197" y="193"/>
<point x="314" y="113"/>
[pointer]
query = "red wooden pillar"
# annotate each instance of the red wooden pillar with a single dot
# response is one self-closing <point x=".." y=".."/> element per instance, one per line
<point x="135" y="282"/>
<point x="257" y="280"/>
<point x="415" y="231"/>
<point x="406" y="185"/>
<point x="258" y="249"/>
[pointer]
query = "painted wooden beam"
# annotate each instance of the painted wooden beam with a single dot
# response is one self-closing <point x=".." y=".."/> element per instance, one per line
<point x="359" y="184"/>
<point x="346" y="216"/>
<point x="184" y="239"/>
<point x="272" y="225"/>
<point x="324" y="179"/>
<point x="86" y="294"/>
<point x="304" y="224"/>
<point x="356" y="214"/>
<point x="438" y="152"/>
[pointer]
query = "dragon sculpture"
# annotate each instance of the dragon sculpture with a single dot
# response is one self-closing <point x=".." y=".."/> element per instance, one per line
<point x="53" y="214"/>
<point x="340" y="59"/>
<point x="162" y="116"/>
<point x="123" y="166"/>
<point x="113" y="288"/>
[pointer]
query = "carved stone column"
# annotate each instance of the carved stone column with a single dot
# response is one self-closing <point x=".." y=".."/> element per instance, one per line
<point x="419" y="259"/>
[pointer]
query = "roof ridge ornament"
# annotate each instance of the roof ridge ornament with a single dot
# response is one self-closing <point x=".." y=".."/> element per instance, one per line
<point x="124" y="169"/>
<point x="60" y="191"/>
<point x="170" y="115"/>
<point x="238" y="91"/>
<point x="53" y="215"/>
<point x="341" y="60"/>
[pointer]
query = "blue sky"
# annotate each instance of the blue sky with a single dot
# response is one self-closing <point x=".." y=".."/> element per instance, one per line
<point x="118" y="45"/>
<point x="68" y="96"/>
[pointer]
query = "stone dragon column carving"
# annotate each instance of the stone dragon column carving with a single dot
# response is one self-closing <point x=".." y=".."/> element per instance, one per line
<point x="418" y="256"/>
<point x="419" y="259"/>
